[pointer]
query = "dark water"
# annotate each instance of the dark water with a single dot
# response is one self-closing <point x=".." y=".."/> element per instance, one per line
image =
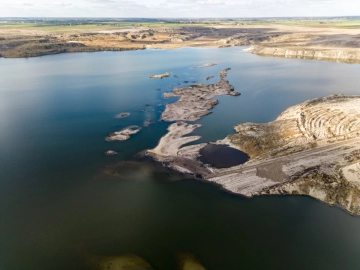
<point x="55" y="113"/>
<point x="222" y="156"/>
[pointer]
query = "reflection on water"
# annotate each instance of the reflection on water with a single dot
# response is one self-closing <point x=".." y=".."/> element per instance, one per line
<point x="55" y="112"/>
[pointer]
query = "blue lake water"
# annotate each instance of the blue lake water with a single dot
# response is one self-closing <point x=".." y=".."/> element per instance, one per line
<point x="56" y="212"/>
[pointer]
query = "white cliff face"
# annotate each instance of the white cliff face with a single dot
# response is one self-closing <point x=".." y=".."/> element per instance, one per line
<point x="312" y="123"/>
<point x="344" y="55"/>
<point x="311" y="149"/>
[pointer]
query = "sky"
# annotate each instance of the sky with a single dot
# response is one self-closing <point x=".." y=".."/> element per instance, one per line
<point x="178" y="8"/>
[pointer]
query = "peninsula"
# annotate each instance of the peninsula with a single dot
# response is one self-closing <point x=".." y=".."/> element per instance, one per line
<point x="311" y="149"/>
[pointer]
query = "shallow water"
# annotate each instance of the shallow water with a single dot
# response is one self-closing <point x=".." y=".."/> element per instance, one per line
<point x="222" y="156"/>
<point x="55" y="113"/>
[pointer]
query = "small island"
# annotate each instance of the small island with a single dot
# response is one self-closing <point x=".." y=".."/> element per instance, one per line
<point x="160" y="76"/>
<point x="111" y="153"/>
<point x="123" y="135"/>
<point x="122" y="115"/>
<point x="196" y="100"/>
<point x="207" y="65"/>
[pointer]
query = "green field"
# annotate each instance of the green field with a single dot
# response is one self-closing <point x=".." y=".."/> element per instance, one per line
<point x="86" y="26"/>
<point x="350" y="24"/>
<point x="68" y="26"/>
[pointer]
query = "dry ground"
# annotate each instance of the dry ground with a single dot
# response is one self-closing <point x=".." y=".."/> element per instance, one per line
<point x="327" y="43"/>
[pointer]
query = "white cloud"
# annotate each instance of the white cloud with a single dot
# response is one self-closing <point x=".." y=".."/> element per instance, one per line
<point x="180" y="8"/>
<point x="61" y="4"/>
<point x="28" y="4"/>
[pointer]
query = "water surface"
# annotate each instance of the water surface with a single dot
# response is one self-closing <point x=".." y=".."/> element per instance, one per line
<point x="222" y="156"/>
<point x="56" y="212"/>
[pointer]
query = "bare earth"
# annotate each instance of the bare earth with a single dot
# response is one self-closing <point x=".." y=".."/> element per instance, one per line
<point x="311" y="149"/>
<point x="334" y="44"/>
<point x="194" y="102"/>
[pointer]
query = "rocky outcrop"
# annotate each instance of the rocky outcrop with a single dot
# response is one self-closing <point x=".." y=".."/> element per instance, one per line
<point x="207" y="65"/>
<point x="195" y="101"/>
<point x="160" y="76"/>
<point x="111" y="153"/>
<point x="170" y="152"/>
<point x="331" y="181"/>
<point x="311" y="149"/>
<point x="124" y="134"/>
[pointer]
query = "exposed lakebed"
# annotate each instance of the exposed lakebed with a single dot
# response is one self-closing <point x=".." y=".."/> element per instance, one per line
<point x="56" y="214"/>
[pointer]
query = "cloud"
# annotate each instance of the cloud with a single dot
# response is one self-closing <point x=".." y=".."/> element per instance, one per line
<point x="61" y="4"/>
<point x="179" y="8"/>
<point x="28" y="4"/>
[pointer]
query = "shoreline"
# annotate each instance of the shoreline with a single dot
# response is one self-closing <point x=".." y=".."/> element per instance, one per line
<point x="300" y="159"/>
<point x="326" y="44"/>
<point x="195" y="101"/>
<point x="341" y="56"/>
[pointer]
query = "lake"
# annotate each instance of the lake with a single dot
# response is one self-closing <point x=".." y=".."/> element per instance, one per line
<point x="58" y="210"/>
